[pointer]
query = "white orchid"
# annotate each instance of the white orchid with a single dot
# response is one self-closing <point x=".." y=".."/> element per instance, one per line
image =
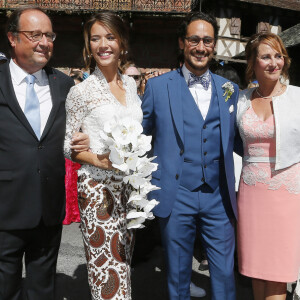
<point x="128" y="146"/>
<point x="136" y="223"/>
<point x="148" y="187"/>
<point x="135" y="180"/>
<point x="146" y="167"/>
<point x="136" y="197"/>
<point x="143" y="144"/>
<point x="150" y="205"/>
<point x="127" y="132"/>
<point x="132" y="161"/>
<point x="116" y="156"/>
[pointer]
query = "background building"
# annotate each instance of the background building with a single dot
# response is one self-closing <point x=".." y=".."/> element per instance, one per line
<point x="153" y="25"/>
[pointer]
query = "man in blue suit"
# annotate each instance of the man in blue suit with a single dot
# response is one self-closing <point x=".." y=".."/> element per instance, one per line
<point x="192" y="113"/>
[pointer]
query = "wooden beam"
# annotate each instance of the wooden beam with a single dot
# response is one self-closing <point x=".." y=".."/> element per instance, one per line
<point x="226" y="58"/>
<point x="291" y="36"/>
<point x="287" y="4"/>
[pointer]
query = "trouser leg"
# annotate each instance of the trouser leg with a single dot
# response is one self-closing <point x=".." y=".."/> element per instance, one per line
<point x="217" y="231"/>
<point x="40" y="261"/>
<point x="178" y="236"/>
<point x="11" y="254"/>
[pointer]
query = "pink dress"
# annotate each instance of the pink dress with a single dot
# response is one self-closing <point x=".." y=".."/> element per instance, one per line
<point x="268" y="206"/>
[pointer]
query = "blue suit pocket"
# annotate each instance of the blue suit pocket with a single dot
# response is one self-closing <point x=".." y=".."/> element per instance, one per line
<point x="5" y="175"/>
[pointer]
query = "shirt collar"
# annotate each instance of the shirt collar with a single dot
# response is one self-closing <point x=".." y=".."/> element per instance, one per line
<point x="186" y="72"/>
<point x="18" y="75"/>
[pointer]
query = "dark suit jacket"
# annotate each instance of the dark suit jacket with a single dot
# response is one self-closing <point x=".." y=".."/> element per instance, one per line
<point x="31" y="171"/>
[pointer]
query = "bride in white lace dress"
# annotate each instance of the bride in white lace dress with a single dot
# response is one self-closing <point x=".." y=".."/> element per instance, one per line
<point x="102" y="195"/>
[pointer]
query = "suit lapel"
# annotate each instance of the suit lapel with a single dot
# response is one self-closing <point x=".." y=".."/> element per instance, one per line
<point x="54" y="91"/>
<point x="176" y="99"/>
<point x="9" y="96"/>
<point x="224" y="111"/>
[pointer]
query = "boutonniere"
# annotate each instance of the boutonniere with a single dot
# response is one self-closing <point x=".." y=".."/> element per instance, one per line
<point x="228" y="90"/>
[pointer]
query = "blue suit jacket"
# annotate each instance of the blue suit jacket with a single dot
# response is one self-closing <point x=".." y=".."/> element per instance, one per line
<point x="162" y="107"/>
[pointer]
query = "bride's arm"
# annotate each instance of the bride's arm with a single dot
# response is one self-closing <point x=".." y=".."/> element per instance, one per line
<point x="76" y="111"/>
<point x="98" y="160"/>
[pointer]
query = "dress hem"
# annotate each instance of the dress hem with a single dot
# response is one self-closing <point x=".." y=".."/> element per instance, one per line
<point x="269" y="277"/>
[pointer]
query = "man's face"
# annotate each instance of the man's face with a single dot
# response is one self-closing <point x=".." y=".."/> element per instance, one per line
<point x="135" y="74"/>
<point x="29" y="55"/>
<point x="197" y="58"/>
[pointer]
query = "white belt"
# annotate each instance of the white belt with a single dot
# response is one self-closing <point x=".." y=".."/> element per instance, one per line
<point x="259" y="159"/>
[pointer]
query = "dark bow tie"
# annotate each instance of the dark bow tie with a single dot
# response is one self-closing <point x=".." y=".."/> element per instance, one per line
<point x="204" y="80"/>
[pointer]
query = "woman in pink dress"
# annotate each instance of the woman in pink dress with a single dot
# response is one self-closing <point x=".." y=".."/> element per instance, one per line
<point x="269" y="193"/>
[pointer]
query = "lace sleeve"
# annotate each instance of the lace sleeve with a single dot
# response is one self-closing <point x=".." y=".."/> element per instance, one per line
<point x="76" y="110"/>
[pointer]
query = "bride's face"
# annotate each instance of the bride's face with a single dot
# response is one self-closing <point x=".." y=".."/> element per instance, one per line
<point x="105" y="46"/>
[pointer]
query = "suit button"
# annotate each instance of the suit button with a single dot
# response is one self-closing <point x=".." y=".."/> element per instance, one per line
<point x="181" y="151"/>
<point x="205" y="140"/>
<point x="39" y="171"/>
<point x="204" y="126"/>
<point x="205" y="153"/>
<point x="202" y="179"/>
<point x="177" y="176"/>
<point x="205" y="166"/>
<point x="40" y="147"/>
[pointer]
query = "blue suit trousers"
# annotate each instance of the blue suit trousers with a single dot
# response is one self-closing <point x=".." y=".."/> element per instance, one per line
<point x="203" y="208"/>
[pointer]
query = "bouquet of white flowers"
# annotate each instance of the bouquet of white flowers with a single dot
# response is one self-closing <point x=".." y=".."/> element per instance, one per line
<point x="128" y="147"/>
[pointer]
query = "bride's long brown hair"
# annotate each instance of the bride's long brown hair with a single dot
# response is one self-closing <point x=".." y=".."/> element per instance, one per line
<point x="117" y="26"/>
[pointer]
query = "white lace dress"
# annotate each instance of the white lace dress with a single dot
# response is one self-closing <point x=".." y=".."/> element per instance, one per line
<point x="102" y="195"/>
<point x="268" y="206"/>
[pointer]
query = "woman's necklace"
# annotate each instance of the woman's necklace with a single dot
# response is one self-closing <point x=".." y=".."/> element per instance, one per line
<point x="268" y="97"/>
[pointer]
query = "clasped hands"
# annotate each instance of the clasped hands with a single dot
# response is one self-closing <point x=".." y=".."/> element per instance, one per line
<point x="80" y="142"/>
<point x="80" y="145"/>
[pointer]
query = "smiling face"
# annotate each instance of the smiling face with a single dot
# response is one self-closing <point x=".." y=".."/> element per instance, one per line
<point x="197" y="58"/>
<point x="269" y="63"/>
<point x="105" y="46"/>
<point x="31" y="56"/>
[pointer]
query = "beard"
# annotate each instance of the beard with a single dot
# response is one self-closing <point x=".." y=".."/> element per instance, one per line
<point x="196" y="66"/>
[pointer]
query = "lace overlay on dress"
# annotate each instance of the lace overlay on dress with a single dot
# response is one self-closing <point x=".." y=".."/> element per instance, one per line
<point x="259" y="141"/>
<point x="89" y="105"/>
<point x="102" y="194"/>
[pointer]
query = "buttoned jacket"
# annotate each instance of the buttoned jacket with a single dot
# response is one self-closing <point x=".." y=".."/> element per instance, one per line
<point x="163" y="116"/>
<point x="31" y="170"/>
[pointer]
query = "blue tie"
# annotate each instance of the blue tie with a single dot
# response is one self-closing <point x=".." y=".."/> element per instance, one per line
<point x="204" y="80"/>
<point x="32" y="106"/>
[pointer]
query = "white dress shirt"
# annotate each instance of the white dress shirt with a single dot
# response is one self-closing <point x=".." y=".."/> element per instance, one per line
<point x="41" y="88"/>
<point x="201" y="96"/>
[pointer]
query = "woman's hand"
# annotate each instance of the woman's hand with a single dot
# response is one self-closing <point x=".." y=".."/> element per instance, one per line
<point x="80" y="142"/>
<point x="102" y="161"/>
<point x="97" y="160"/>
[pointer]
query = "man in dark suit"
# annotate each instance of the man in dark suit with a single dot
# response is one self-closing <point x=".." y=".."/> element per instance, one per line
<point x="193" y="114"/>
<point x="32" y="129"/>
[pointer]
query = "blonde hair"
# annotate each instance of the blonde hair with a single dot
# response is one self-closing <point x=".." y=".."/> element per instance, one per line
<point x="275" y="42"/>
